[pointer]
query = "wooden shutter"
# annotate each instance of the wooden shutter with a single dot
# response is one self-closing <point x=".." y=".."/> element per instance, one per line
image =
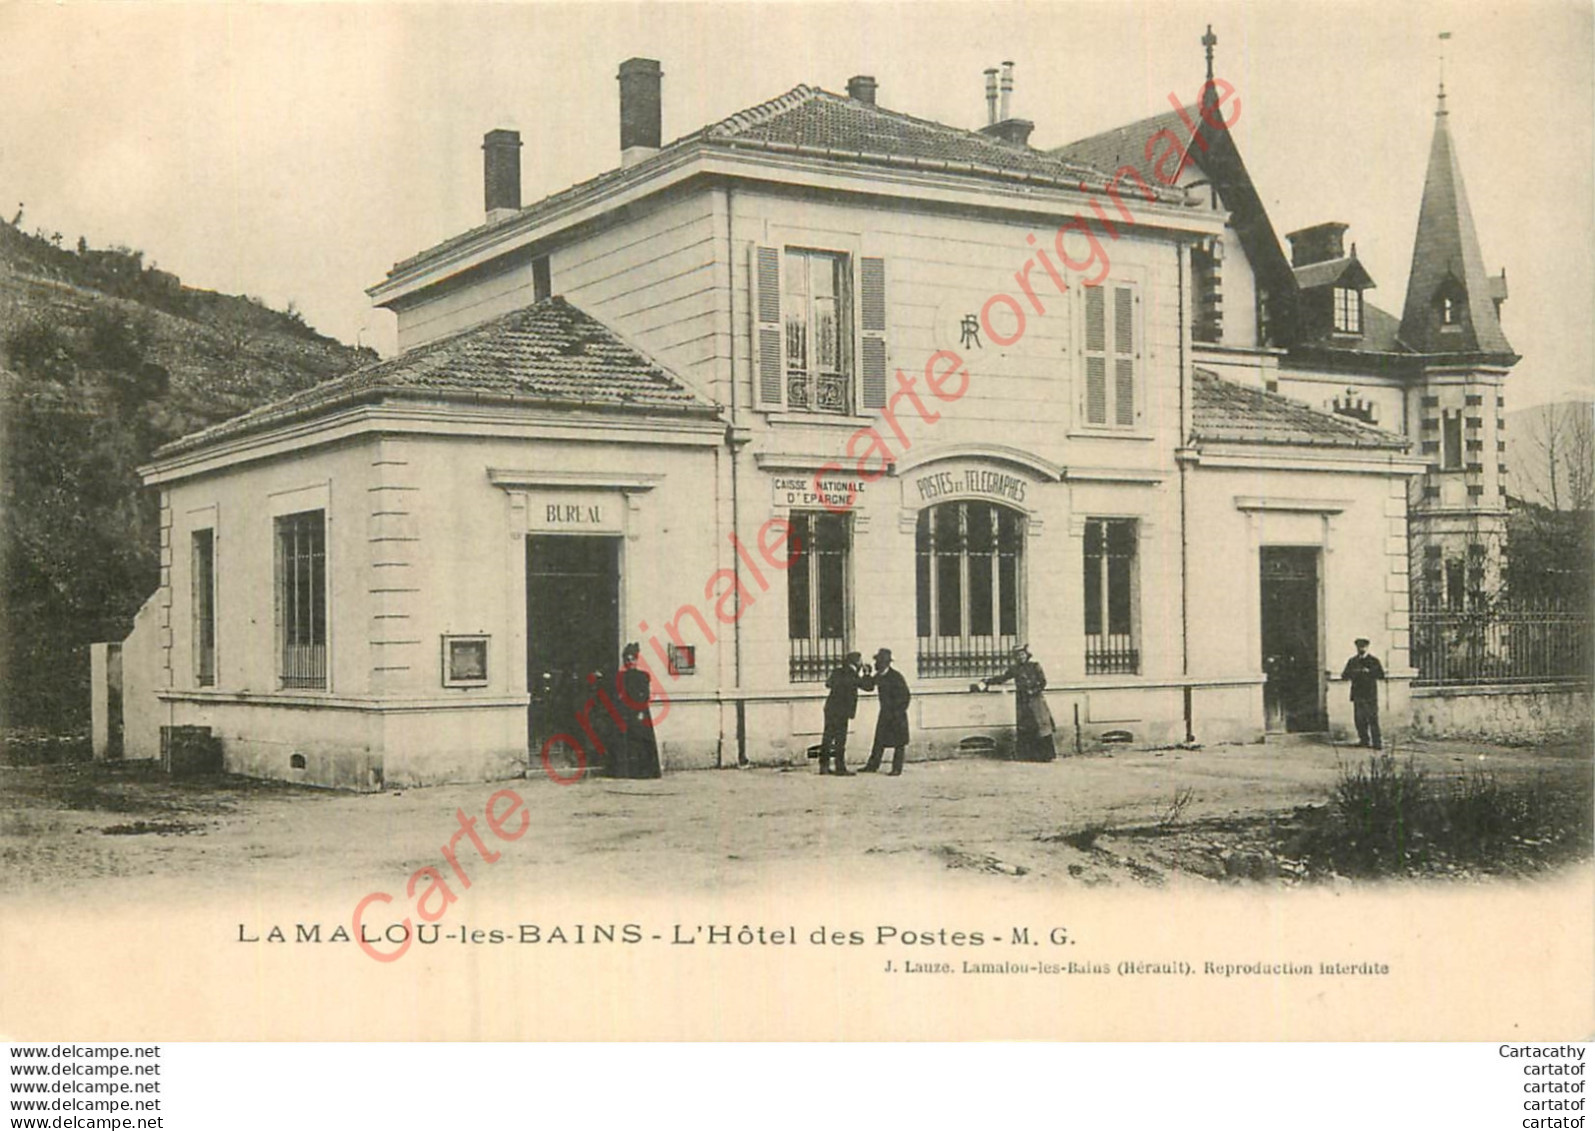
<point x="768" y="336"/>
<point x="872" y="332"/>
<point x="1123" y="357"/>
<point x="1096" y="356"/>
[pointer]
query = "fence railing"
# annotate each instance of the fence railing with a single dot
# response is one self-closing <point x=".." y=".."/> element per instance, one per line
<point x="942" y="656"/>
<point x="1501" y="644"/>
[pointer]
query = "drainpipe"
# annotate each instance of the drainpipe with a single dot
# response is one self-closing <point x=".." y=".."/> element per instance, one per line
<point x="1185" y="579"/>
<point x="736" y="514"/>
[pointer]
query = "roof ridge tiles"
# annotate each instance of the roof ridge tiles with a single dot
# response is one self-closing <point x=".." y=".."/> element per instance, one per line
<point x="761" y="112"/>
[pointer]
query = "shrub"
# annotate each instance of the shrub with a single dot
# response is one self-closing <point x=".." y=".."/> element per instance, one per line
<point x="1383" y="808"/>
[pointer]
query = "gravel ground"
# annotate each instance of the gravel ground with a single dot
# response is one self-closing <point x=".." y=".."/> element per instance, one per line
<point x="1168" y="818"/>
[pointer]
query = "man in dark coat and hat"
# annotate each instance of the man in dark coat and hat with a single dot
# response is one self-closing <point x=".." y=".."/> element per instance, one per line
<point x="891" y="727"/>
<point x="1364" y="672"/>
<point x="841" y="704"/>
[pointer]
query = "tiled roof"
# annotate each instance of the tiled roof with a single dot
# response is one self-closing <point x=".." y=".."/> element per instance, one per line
<point x="1221" y="163"/>
<point x="1126" y="145"/>
<point x="1226" y="412"/>
<point x="811" y="122"/>
<point x="1381" y="333"/>
<point x="1329" y="271"/>
<point x="816" y="122"/>
<point x="549" y="353"/>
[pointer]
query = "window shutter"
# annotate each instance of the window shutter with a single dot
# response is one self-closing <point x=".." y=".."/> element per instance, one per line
<point x="769" y="347"/>
<point x="1124" y="357"/>
<point x="872" y="332"/>
<point x="1096" y="362"/>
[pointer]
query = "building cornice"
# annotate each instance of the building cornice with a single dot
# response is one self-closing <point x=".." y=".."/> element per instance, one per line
<point x="441" y="419"/>
<point x="1355" y="463"/>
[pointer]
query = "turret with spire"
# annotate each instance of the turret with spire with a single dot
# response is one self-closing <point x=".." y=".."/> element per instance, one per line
<point x="1452" y="306"/>
<point x="1451" y="321"/>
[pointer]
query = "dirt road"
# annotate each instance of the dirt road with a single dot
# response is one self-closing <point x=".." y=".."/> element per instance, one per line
<point x="1163" y="818"/>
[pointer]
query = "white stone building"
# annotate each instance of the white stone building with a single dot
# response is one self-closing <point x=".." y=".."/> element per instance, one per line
<point x="822" y="377"/>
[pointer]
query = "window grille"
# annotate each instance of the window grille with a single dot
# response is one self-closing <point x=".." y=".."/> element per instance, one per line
<point x="1110" y="565"/>
<point x="968" y="572"/>
<point x="818" y="597"/>
<point x="302" y="599"/>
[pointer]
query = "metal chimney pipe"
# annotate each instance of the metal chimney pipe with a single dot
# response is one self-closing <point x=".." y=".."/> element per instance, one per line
<point x="1007" y="89"/>
<point x="991" y="95"/>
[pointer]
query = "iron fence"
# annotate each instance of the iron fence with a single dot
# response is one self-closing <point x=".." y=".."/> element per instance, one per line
<point x="944" y="656"/>
<point x="811" y="661"/>
<point x="1501" y="644"/>
<point x="1113" y="654"/>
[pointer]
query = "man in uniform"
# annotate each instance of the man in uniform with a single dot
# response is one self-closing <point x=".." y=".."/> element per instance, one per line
<point x="841" y="704"/>
<point x="1365" y="672"/>
<point x="891" y="727"/>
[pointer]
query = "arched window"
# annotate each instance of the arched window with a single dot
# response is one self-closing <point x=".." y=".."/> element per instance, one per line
<point x="968" y="578"/>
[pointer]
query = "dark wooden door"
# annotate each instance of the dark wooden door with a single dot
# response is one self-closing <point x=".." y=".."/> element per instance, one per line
<point x="572" y="633"/>
<point x="1293" y="694"/>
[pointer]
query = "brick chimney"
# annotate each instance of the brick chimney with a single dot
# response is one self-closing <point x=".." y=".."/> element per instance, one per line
<point x="861" y="88"/>
<point x="501" y="174"/>
<point x="639" y="109"/>
<point x="1317" y="244"/>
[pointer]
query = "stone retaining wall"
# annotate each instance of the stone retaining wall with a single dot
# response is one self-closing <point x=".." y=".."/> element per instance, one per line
<point x="1509" y="713"/>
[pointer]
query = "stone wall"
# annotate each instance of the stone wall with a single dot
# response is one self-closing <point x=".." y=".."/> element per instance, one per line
<point x="1502" y="713"/>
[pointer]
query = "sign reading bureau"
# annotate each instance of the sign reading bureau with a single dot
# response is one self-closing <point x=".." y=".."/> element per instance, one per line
<point x="575" y="512"/>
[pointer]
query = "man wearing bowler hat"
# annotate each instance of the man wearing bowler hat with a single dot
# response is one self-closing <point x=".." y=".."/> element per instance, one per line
<point x="891" y="727"/>
<point x="1365" y="672"/>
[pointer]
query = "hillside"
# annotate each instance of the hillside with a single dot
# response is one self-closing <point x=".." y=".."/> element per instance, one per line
<point x="102" y="359"/>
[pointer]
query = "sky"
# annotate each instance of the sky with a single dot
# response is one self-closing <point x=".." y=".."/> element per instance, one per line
<point x="295" y="151"/>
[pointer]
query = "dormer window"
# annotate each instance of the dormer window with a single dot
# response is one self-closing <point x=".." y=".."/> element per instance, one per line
<point x="1450" y="312"/>
<point x="1348" y="310"/>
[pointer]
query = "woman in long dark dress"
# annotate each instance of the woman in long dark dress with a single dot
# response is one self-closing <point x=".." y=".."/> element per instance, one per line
<point x="641" y="747"/>
<point x="1032" y="716"/>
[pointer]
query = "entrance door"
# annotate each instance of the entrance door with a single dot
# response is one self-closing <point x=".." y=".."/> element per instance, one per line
<point x="572" y="631"/>
<point x="1293" y="694"/>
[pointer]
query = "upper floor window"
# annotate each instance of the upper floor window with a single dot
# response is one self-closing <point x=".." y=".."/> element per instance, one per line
<point x="818" y="596"/>
<point x="819" y="335"/>
<point x="204" y="606"/>
<point x="1348" y="310"/>
<point x="1111" y="356"/>
<point x="301" y="566"/>
<point x="815" y="311"/>
<point x="969" y="561"/>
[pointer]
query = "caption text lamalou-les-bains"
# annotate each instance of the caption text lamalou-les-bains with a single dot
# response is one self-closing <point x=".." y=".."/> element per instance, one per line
<point x="870" y="454"/>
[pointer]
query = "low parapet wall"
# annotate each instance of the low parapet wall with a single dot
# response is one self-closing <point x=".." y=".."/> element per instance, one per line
<point x="1501" y="712"/>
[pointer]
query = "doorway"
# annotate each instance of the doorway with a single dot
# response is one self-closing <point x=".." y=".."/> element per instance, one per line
<point x="1293" y="700"/>
<point x="572" y="632"/>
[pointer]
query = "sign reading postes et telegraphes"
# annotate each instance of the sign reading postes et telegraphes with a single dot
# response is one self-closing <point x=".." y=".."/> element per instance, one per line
<point x="805" y="492"/>
<point x="575" y="512"/>
<point x="961" y="481"/>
